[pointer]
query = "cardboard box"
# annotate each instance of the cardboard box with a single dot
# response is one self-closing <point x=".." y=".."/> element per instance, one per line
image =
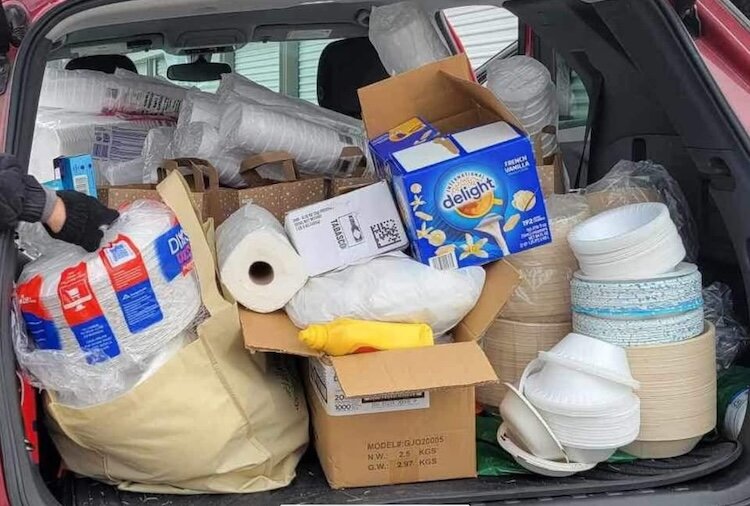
<point x="433" y="443"/>
<point x="552" y="176"/>
<point x="77" y="173"/>
<point x="351" y="227"/>
<point x="473" y="195"/>
<point x="410" y="133"/>
<point x="325" y="385"/>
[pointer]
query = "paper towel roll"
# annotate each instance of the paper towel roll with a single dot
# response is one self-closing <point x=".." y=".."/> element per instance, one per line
<point x="257" y="263"/>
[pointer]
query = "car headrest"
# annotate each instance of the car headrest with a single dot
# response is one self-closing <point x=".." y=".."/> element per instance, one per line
<point x="106" y="63"/>
<point x="345" y="66"/>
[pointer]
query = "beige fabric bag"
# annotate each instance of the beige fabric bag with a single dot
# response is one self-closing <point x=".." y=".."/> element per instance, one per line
<point x="214" y="419"/>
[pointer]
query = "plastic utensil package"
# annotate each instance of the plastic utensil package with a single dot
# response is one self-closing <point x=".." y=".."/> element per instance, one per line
<point x="645" y="181"/>
<point x="389" y="288"/>
<point x="405" y="25"/>
<point x="96" y="321"/>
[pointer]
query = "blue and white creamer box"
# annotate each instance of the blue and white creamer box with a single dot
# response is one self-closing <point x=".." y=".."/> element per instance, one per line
<point x="471" y="197"/>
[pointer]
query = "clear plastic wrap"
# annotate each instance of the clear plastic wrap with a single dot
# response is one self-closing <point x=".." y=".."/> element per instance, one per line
<point x="156" y="147"/>
<point x="257" y="128"/>
<point x="122" y="92"/>
<point x="257" y="263"/>
<point x="110" y="139"/>
<point x="404" y="37"/>
<point x="96" y="321"/>
<point x="389" y="288"/>
<point x="525" y="86"/>
<point x="544" y="293"/>
<point x="235" y="87"/>
<point x="200" y="107"/>
<point x="633" y="182"/>
<point x="34" y="241"/>
<point x="731" y="335"/>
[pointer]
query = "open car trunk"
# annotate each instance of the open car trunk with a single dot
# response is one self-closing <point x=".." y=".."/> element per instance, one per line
<point x="651" y="98"/>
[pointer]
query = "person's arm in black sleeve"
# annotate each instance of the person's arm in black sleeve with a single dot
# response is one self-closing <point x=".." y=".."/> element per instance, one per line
<point x="67" y="215"/>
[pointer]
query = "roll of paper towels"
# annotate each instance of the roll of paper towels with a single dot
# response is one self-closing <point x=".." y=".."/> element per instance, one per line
<point x="257" y="263"/>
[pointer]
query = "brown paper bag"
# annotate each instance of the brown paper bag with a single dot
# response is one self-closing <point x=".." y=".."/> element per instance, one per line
<point x="278" y="197"/>
<point x="213" y="419"/>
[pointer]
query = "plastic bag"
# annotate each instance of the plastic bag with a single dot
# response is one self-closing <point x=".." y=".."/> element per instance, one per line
<point x="731" y="336"/>
<point x="96" y="321"/>
<point x="525" y="86"/>
<point x="200" y="107"/>
<point x="404" y="37"/>
<point x="389" y="288"/>
<point x="631" y="182"/>
<point x="156" y="148"/>
<point x="544" y="293"/>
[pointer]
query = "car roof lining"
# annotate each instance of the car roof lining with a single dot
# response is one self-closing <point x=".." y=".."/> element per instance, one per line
<point x="121" y="17"/>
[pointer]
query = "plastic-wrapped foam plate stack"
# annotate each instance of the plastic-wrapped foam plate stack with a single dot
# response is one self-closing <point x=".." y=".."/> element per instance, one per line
<point x="96" y="321"/>
<point x="525" y="86"/>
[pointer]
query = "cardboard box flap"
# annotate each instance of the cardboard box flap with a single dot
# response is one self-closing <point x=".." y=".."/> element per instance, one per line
<point x="500" y="281"/>
<point x="273" y="332"/>
<point x="399" y="371"/>
<point x="484" y="98"/>
<point x="422" y="92"/>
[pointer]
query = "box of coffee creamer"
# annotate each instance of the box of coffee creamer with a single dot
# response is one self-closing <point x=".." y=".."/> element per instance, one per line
<point x="471" y="197"/>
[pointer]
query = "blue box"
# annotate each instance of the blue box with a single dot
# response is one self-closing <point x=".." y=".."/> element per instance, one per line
<point x="77" y="173"/>
<point x="410" y="133"/>
<point x="471" y="197"/>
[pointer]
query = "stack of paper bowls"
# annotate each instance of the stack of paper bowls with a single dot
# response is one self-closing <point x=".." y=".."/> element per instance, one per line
<point x="525" y="86"/>
<point x="575" y="406"/>
<point x="537" y="315"/>
<point x="633" y="291"/>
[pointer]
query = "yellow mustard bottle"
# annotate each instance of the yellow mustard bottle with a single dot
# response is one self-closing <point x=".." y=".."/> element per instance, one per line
<point x="345" y="336"/>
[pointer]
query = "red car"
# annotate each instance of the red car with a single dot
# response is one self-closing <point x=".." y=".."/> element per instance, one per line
<point x="650" y="79"/>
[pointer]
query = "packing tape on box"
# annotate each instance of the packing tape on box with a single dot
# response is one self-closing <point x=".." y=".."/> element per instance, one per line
<point x="637" y="299"/>
<point x="544" y="292"/>
<point x="641" y="332"/>
<point x="510" y="346"/>
<point x="97" y="318"/>
<point x="678" y="387"/>
<point x="257" y="263"/>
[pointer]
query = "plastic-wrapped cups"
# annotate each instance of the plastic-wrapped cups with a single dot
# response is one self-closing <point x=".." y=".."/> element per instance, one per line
<point x="257" y="263"/>
<point x="630" y="242"/>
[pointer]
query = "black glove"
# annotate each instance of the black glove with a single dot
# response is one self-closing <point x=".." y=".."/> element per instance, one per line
<point x="22" y="198"/>
<point x="83" y="217"/>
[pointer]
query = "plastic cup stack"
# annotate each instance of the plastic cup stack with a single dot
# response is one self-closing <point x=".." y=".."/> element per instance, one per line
<point x="633" y="291"/>
<point x="525" y="86"/>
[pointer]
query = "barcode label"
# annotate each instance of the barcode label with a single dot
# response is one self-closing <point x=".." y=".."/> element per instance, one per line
<point x="386" y="233"/>
<point x="119" y="253"/>
<point x="118" y="144"/>
<point x="101" y="150"/>
<point x="444" y="262"/>
<point x="81" y="184"/>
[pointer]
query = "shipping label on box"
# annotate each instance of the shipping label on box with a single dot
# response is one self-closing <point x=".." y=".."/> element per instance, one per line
<point x="472" y="197"/>
<point x="328" y="389"/>
<point x="345" y="229"/>
<point x="410" y="133"/>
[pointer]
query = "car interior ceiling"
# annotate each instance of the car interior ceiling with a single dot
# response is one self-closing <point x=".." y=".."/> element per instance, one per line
<point x="634" y="114"/>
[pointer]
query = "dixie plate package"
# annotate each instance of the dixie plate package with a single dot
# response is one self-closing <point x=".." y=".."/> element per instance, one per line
<point x="471" y="195"/>
<point x="346" y="229"/>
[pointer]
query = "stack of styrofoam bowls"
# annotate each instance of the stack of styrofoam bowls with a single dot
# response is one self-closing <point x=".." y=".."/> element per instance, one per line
<point x="525" y="86"/>
<point x="510" y="346"/>
<point x="636" y="241"/>
<point x="661" y="309"/>
<point x="583" y="389"/>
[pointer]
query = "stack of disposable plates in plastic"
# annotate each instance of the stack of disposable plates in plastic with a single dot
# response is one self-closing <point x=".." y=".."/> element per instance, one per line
<point x="581" y="392"/>
<point x="525" y="86"/>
